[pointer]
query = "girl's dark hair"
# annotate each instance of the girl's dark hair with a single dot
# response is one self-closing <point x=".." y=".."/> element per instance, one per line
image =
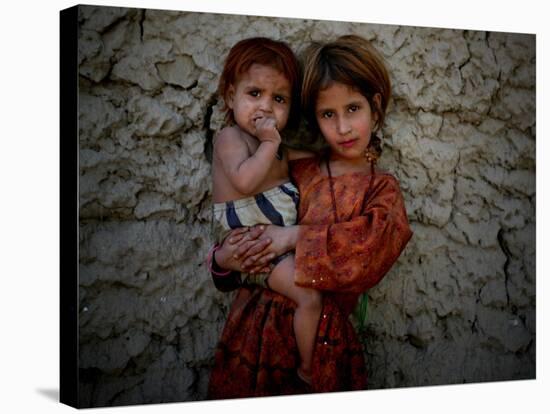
<point x="263" y="51"/>
<point x="350" y="60"/>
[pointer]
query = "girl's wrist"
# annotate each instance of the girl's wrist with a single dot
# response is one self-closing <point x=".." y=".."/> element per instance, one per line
<point x="211" y="262"/>
<point x="220" y="258"/>
<point x="292" y="237"/>
<point x="215" y="266"/>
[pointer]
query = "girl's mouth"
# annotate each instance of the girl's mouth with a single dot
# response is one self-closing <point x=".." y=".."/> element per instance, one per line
<point x="348" y="144"/>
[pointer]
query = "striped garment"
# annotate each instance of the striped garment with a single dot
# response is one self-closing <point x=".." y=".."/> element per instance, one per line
<point x="278" y="205"/>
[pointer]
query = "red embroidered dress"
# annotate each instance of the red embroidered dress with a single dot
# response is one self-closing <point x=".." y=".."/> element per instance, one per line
<point x="257" y="353"/>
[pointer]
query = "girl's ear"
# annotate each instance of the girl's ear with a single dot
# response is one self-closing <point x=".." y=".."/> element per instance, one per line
<point x="230" y="96"/>
<point x="377" y="103"/>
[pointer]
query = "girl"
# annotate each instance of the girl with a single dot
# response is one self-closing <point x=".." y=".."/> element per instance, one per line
<point x="259" y="85"/>
<point x="352" y="227"/>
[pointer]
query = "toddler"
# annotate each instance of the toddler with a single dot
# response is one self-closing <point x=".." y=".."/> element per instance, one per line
<point x="260" y="87"/>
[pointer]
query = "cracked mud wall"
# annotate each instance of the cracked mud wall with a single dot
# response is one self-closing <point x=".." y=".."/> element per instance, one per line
<point x="458" y="306"/>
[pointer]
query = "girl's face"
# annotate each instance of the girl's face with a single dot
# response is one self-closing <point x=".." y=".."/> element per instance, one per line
<point x="262" y="91"/>
<point x="346" y="121"/>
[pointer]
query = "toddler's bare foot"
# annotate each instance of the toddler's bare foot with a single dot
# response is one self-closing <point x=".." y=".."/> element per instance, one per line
<point x="304" y="375"/>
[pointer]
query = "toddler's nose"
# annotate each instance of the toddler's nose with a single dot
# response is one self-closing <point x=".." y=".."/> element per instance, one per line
<point x="265" y="105"/>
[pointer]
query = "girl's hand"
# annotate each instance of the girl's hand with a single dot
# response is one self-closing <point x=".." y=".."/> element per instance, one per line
<point x="245" y="240"/>
<point x="283" y="239"/>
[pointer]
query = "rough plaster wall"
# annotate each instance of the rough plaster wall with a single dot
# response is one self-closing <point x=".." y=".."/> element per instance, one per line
<point x="459" y="305"/>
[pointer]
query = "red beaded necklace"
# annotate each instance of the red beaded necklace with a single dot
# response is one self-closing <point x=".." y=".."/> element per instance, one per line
<point x="331" y="185"/>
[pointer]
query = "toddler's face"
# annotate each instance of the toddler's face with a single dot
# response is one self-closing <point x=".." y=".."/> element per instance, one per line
<point x="262" y="91"/>
<point x="345" y="119"/>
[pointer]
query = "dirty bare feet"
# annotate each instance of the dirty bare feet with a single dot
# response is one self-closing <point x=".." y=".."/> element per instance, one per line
<point x="304" y="375"/>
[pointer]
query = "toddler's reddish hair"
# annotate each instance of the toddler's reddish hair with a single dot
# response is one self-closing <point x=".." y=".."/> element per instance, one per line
<point x="262" y="51"/>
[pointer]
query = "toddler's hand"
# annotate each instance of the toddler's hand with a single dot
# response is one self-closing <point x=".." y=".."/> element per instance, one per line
<point x="266" y="129"/>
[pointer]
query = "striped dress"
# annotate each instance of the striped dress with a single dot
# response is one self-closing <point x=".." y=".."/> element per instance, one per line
<point x="278" y="205"/>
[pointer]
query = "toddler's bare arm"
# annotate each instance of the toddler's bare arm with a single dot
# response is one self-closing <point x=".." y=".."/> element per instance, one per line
<point x="245" y="172"/>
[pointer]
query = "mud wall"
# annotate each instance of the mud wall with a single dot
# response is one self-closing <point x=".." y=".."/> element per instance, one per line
<point x="459" y="305"/>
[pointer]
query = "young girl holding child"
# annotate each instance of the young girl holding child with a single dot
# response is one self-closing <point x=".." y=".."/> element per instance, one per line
<point x="259" y="84"/>
<point x="352" y="228"/>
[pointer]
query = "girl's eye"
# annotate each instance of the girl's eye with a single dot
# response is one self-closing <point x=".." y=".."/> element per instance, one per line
<point x="255" y="94"/>
<point x="280" y="99"/>
<point x="353" y="108"/>
<point x="327" y="114"/>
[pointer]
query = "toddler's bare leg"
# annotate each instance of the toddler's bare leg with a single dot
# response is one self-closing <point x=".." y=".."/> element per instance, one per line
<point x="308" y="310"/>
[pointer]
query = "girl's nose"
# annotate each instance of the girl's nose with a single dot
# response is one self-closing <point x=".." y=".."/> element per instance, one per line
<point x="343" y="126"/>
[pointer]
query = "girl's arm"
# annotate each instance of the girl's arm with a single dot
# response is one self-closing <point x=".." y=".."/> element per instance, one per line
<point x="246" y="173"/>
<point x="296" y="154"/>
<point x="353" y="256"/>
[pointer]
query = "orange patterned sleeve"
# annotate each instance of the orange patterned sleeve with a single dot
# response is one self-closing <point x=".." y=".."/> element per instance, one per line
<point x="353" y="256"/>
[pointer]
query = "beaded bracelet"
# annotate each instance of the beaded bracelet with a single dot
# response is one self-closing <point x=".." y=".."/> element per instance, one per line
<point x="209" y="259"/>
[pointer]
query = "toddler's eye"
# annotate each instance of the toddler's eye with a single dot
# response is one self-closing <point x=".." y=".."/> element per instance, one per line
<point x="327" y="114"/>
<point x="255" y="94"/>
<point x="280" y="99"/>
